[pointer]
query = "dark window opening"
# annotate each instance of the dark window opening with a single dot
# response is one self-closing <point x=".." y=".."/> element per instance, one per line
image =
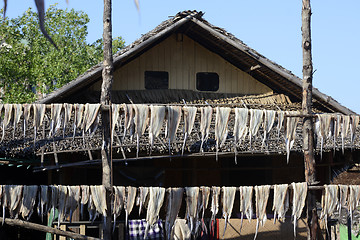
<point x="156" y="80"/>
<point x="207" y="81"/>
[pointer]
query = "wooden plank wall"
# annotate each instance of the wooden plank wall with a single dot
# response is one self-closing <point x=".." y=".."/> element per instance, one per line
<point x="183" y="58"/>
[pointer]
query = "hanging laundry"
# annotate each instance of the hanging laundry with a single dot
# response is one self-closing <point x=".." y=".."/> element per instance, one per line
<point x="228" y="203"/>
<point x="156" y="199"/>
<point x="281" y="201"/>
<point x="157" y="116"/>
<point x="269" y="119"/>
<point x="181" y="230"/>
<point x="261" y="199"/>
<point x="221" y="126"/>
<point x="85" y="195"/>
<point x="118" y="202"/>
<point x="246" y="194"/>
<point x="343" y="197"/>
<point x="345" y="126"/>
<point x="28" y="201"/>
<point x="298" y="201"/>
<point x="240" y="127"/>
<point x="256" y="118"/>
<point x="141" y="119"/>
<point x="137" y="230"/>
<point x="329" y="202"/>
<point x="280" y="115"/>
<point x="174" y="200"/>
<point x="192" y="197"/>
<point x="189" y="119"/>
<point x="290" y="132"/>
<point x="129" y="201"/>
<point x="142" y="198"/>
<point x="43" y="202"/>
<point x="172" y="124"/>
<point x="206" y="115"/>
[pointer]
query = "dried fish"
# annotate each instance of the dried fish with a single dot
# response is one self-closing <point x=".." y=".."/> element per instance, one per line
<point x="221" y="126"/>
<point x="54" y="200"/>
<point x="128" y="120"/>
<point x="299" y="197"/>
<point x="98" y="195"/>
<point x="323" y="129"/>
<point x="337" y="128"/>
<point x="269" y="119"/>
<point x="44" y="201"/>
<point x="256" y="117"/>
<point x="261" y="197"/>
<point x="192" y="196"/>
<point x="129" y="201"/>
<point x="118" y="203"/>
<point x="240" y="127"/>
<point x="174" y="200"/>
<point x="115" y="114"/>
<point x="62" y="198"/>
<point x="354" y="123"/>
<point x="329" y="202"/>
<point x="343" y="197"/>
<point x="142" y="198"/>
<point x="205" y="195"/>
<point x="78" y="116"/>
<point x="345" y="126"/>
<point x="290" y="133"/>
<point x="172" y="124"/>
<point x="214" y="204"/>
<point x="189" y="119"/>
<point x="228" y="203"/>
<point x="353" y="200"/>
<point x="85" y="195"/>
<point x="281" y="201"/>
<point x="72" y="200"/>
<point x="18" y="111"/>
<point x="91" y="118"/>
<point x="39" y="114"/>
<point x="13" y="194"/>
<point x="67" y="115"/>
<point x="27" y="110"/>
<point x="246" y="193"/>
<point x="156" y="199"/>
<point x="28" y="201"/>
<point x="157" y="117"/>
<point x="56" y="118"/>
<point x="7" y="118"/>
<point x="279" y="125"/>
<point x="141" y="120"/>
<point x="206" y="115"/>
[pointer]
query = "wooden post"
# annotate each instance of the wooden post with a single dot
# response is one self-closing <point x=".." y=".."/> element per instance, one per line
<point x="105" y="99"/>
<point x="308" y="128"/>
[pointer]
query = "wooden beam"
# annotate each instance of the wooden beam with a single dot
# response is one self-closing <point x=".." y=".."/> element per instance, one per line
<point x="42" y="228"/>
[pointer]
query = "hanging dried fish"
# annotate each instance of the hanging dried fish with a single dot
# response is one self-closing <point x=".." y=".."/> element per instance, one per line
<point x="98" y="194"/>
<point x="246" y="203"/>
<point x="156" y="199"/>
<point x="269" y="119"/>
<point x="13" y="195"/>
<point x="72" y="200"/>
<point x="91" y="118"/>
<point x="189" y="119"/>
<point x="214" y="204"/>
<point x="172" y="124"/>
<point x="118" y="203"/>
<point x="129" y="201"/>
<point x="142" y="198"/>
<point x="157" y="117"/>
<point x="128" y="120"/>
<point x="329" y="202"/>
<point x="205" y="195"/>
<point x="240" y="127"/>
<point x="28" y="201"/>
<point x="54" y="200"/>
<point x="279" y="125"/>
<point x="343" y="197"/>
<point x="115" y="114"/>
<point x="56" y="118"/>
<point x="27" y="110"/>
<point x="261" y="197"/>
<point x="337" y="128"/>
<point x="39" y="114"/>
<point x="67" y="115"/>
<point x="354" y="123"/>
<point x="141" y="120"/>
<point x="192" y="195"/>
<point x="353" y="200"/>
<point x="290" y="133"/>
<point x="7" y="118"/>
<point x="281" y="201"/>
<point x="221" y="126"/>
<point x="206" y="115"/>
<point x="228" y="203"/>
<point x="299" y="197"/>
<point x="323" y="129"/>
<point x="345" y="126"/>
<point x="93" y="213"/>
<point x="43" y="202"/>
<point x="85" y="195"/>
<point x="18" y="111"/>
<point x="256" y="117"/>
<point x="62" y="199"/>
<point x="174" y="200"/>
<point x="78" y="116"/>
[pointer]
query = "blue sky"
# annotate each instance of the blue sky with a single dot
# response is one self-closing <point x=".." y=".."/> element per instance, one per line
<point x="273" y="28"/>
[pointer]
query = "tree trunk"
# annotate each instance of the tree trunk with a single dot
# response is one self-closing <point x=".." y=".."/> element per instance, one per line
<point x="308" y="128"/>
<point x="105" y="99"/>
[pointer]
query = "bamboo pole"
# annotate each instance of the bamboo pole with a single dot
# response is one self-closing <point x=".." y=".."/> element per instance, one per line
<point x="42" y="228"/>
<point x="105" y="99"/>
<point x="308" y="128"/>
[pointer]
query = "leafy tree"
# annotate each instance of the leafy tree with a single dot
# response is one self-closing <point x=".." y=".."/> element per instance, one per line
<point x="29" y="63"/>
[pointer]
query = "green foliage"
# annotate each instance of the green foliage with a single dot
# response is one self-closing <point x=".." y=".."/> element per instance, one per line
<point x="28" y="61"/>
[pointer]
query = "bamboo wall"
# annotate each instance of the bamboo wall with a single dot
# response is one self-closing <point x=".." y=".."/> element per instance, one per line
<point x="182" y="58"/>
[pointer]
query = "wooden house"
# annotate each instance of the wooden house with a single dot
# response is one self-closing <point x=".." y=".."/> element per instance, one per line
<point x="187" y="61"/>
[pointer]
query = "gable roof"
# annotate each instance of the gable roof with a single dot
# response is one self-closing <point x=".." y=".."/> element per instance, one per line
<point x="216" y="40"/>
